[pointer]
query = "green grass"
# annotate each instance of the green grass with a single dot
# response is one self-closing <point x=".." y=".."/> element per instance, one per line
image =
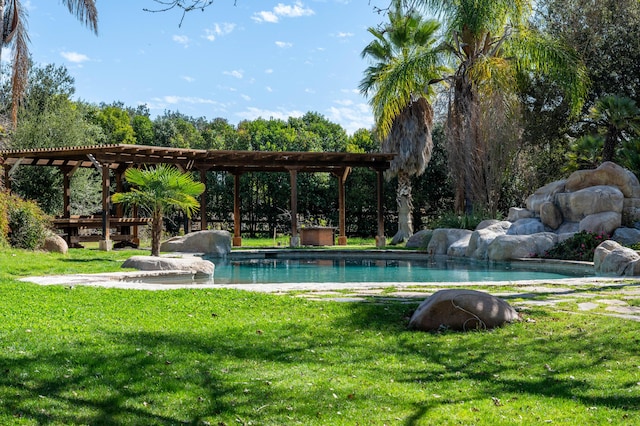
<point x="80" y="355"/>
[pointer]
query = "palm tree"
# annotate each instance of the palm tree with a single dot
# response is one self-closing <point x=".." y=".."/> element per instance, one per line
<point x="157" y="190"/>
<point x="490" y="44"/>
<point x="619" y="118"/>
<point x="14" y="33"/>
<point x="404" y="61"/>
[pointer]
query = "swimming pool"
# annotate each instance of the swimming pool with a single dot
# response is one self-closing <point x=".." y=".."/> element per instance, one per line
<point x="362" y="268"/>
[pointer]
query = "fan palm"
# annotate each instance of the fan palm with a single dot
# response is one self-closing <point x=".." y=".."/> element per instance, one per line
<point x="404" y="61"/>
<point x="157" y="190"/>
<point x="490" y="44"/>
<point x="618" y="117"/>
<point x="14" y="33"/>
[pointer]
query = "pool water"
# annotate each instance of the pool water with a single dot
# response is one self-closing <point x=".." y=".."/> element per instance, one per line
<point x="256" y="271"/>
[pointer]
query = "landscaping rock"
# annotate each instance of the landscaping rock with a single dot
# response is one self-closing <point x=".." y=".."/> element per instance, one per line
<point x="210" y="242"/>
<point x="601" y="223"/>
<point x="517" y="213"/>
<point x="420" y="240"/>
<point x="543" y="195"/>
<point x="443" y="238"/>
<point x="575" y="206"/>
<point x="196" y="265"/>
<point x="612" y="258"/>
<point x="482" y="237"/>
<point x="56" y="244"/>
<point x="626" y="236"/>
<point x="609" y="174"/>
<point x="526" y="227"/>
<point x="507" y="247"/>
<point x="462" y="310"/>
<point x="550" y="215"/>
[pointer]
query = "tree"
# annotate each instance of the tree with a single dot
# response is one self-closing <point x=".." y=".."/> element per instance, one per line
<point x="14" y="33"/>
<point x="115" y="124"/>
<point x="405" y="60"/>
<point x="618" y="117"/>
<point x="490" y="45"/>
<point x="158" y="191"/>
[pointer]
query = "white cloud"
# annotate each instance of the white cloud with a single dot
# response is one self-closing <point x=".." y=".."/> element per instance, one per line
<point x="283" y="44"/>
<point x="253" y="113"/>
<point x="268" y="71"/>
<point x="234" y="73"/>
<point x="181" y="39"/>
<point x="268" y="89"/>
<point x="282" y="10"/>
<point x="352" y="118"/>
<point x="218" y="30"/>
<point x="74" y="57"/>
<point x="309" y="90"/>
<point x="344" y="35"/>
<point x="246" y="97"/>
<point x="188" y="79"/>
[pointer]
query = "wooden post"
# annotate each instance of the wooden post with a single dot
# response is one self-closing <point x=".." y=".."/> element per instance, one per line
<point x="380" y="239"/>
<point x="203" y="201"/>
<point x="105" y="243"/>
<point x="237" y="220"/>
<point x="295" y="238"/>
<point x="342" y="234"/>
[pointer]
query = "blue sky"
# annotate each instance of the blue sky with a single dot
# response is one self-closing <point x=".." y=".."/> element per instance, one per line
<point x="255" y="59"/>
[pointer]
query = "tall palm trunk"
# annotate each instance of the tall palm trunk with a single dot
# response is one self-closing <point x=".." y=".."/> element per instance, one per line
<point x="156" y="232"/>
<point x="405" y="208"/>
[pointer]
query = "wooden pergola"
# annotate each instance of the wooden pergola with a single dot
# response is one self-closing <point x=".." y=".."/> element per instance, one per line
<point x="118" y="158"/>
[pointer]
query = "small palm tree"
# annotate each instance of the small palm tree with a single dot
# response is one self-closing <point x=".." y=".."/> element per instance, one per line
<point x="618" y="117"/>
<point x="404" y="62"/>
<point x="14" y="33"/>
<point x="157" y="190"/>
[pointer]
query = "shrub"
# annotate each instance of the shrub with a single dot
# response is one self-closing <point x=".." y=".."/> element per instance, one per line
<point x="22" y="223"/>
<point x="580" y="246"/>
<point x="467" y="221"/>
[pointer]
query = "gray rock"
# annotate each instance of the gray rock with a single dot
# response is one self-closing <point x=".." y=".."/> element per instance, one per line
<point x="481" y="238"/>
<point x="443" y="238"/>
<point x="608" y="174"/>
<point x="507" y="247"/>
<point x="575" y="206"/>
<point x="196" y="265"/>
<point x="526" y="227"/>
<point x="543" y="195"/>
<point x="601" y="223"/>
<point x="612" y="258"/>
<point x="459" y="247"/>
<point x="420" y="240"/>
<point x="626" y="236"/>
<point x="213" y="243"/>
<point x="550" y="215"/>
<point x="56" y="244"/>
<point x="459" y="309"/>
<point x="517" y="213"/>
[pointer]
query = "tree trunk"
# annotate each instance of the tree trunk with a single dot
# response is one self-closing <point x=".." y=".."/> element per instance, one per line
<point x="405" y="209"/>
<point x="156" y="233"/>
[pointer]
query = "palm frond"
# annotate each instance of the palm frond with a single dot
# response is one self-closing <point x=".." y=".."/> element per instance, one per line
<point x="86" y="12"/>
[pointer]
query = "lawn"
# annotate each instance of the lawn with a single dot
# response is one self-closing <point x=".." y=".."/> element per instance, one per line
<point x="79" y="355"/>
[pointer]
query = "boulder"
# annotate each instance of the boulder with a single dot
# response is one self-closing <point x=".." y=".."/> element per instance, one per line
<point x="626" y="236"/>
<point x="459" y="247"/>
<point x="196" y="265"/>
<point x="443" y="238"/>
<point x="608" y="174"/>
<point x="459" y="309"/>
<point x="550" y="215"/>
<point x="507" y="247"/>
<point x="575" y="206"/>
<point x="526" y="227"/>
<point x="517" y="213"/>
<point x="601" y="223"/>
<point x="56" y="244"/>
<point x="543" y="195"/>
<point x="481" y="238"/>
<point x="420" y="240"/>
<point x="612" y="258"/>
<point x="210" y="242"/>
<point x="630" y="212"/>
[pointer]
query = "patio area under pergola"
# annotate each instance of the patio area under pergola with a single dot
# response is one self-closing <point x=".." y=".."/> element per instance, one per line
<point x="117" y="159"/>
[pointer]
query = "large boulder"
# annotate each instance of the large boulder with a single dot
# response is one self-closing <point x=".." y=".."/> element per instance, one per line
<point x="526" y="227"/>
<point x="443" y="238"/>
<point x="211" y="242"/>
<point x="459" y="309"/>
<point x="575" y="206"/>
<point x="543" y="195"/>
<point x="609" y="174"/>
<point x="507" y="247"/>
<point x="626" y="236"/>
<point x="197" y="266"/>
<point x="612" y="258"/>
<point x="56" y="244"/>
<point x="601" y="223"/>
<point x="420" y="240"/>
<point x="517" y="213"/>
<point x="482" y="237"/>
<point x="550" y="215"/>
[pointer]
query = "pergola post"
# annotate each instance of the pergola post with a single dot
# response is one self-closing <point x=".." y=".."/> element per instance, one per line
<point x="342" y="214"/>
<point x="105" y="243"/>
<point x="203" y="201"/>
<point x="380" y="239"/>
<point x="295" y="238"/>
<point x="237" y="220"/>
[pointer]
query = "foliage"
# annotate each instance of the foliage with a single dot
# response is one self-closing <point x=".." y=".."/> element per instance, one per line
<point x="159" y="190"/>
<point x="580" y="246"/>
<point x="458" y="221"/>
<point x="22" y="223"/>
<point x="115" y="124"/>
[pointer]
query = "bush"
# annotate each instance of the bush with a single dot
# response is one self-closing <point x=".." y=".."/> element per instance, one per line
<point x="580" y="246"/>
<point x="456" y="221"/>
<point x="22" y="223"/>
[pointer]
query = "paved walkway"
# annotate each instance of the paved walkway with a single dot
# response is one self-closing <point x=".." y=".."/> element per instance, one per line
<point x="607" y="296"/>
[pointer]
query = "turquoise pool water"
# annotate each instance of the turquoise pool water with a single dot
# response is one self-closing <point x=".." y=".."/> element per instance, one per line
<point x="256" y="271"/>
